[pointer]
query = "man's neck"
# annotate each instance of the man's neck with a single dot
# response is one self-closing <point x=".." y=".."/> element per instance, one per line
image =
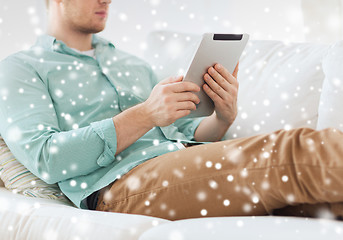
<point x="79" y="41"/>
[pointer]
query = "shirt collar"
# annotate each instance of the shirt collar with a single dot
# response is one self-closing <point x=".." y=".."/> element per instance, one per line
<point x="50" y="43"/>
<point x="45" y="41"/>
<point x="96" y="40"/>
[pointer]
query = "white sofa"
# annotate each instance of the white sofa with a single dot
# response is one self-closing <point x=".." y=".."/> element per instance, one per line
<point x="281" y="86"/>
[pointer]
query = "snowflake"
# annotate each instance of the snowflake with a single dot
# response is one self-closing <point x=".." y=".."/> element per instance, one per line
<point x="14" y="134"/>
<point x="123" y="17"/>
<point x="213" y="184"/>
<point x="265" y="185"/>
<point x="226" y="202"/>
<point x="53" y="149"/>
<point x="284" y="178"/>
<point x="255" y="199"/>
<point x="108" y="196"/>
<point x="247" y="207"/>
<point x="201" y="196"/>
<point x="203" y="212"/>
<point x="230" y="178"/>
<point x="218" y="166"/>
<point x="133" y="183"/>
<point x="244" y="172"/>
<point x="257" y="127"/>
<point x="240" y="223"/>
<point x="72" y="183"/>
<point x="208" y="164"/>
<point x="178" y="173"/>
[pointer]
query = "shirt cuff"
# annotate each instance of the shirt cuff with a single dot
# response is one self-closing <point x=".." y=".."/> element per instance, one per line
<point x="106" y="131"/>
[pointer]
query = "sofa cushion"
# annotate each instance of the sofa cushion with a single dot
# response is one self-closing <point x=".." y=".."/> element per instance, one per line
<point x="40" y="219"/>
<point x="247" y="228"/>
<point x="18" y="179"/>
<point x="280" y="87"/>
<point x="280" y="83"/>
<point x="330" y="107"/>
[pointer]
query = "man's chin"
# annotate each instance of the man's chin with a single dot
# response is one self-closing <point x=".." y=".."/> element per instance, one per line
<point x="93" y="30"/>
<point x="99" y="29"/>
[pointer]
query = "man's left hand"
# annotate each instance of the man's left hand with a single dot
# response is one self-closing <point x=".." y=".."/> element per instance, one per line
<point x="222" y="87"/>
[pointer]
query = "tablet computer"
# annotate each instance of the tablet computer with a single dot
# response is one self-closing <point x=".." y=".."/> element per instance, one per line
<point x="224" y="49"/>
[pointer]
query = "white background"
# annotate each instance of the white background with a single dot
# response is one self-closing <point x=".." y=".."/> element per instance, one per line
<point x="131" y="20"/>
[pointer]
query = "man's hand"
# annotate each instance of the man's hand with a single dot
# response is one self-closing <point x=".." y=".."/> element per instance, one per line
<point x="170" y="100"/>
<point x="222" y="87"/>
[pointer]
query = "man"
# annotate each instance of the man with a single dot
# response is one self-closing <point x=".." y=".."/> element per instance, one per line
<point x="82" y="113"/>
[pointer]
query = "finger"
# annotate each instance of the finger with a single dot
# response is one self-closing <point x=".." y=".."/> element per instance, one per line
<point x="188" y="105"/>
<point x="215" y="87"/>
<point x="214" y="96"/>
<point x="218" y="78"/>
<point x="226" y="74"/>
<point x="185" y="87"/>
<point x="235" y="72"/>
<point x="187" y="96"/>
<point x="171" y="80"/>
<point x="182" y="113"/>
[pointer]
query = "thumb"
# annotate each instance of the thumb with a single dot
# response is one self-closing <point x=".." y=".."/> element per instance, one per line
<point x="172" y="80"/>
<point x="235" y="72"/>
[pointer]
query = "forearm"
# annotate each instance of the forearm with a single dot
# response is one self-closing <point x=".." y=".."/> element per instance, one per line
<point x="130" y="125"/>
<point x="211" y="129"/>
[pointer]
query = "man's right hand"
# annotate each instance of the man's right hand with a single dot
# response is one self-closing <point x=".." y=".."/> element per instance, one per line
<point x="170" y="100"/>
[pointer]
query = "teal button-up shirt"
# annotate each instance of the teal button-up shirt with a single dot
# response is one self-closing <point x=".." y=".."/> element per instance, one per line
<point x="56" y="109"/>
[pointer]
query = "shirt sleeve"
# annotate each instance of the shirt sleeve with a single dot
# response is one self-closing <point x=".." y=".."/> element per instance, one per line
<point x="188" y="126"/>
<point x="29" y="126"/>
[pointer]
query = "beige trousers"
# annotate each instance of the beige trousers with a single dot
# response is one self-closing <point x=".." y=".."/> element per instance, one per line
<point x="296" y="172"/>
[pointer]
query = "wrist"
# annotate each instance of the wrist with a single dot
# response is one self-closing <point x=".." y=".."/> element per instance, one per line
<point x="220" y="122"/>
<point x="145" y="116"/>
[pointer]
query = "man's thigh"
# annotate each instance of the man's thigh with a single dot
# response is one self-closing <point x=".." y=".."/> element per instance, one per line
<point x="248" y="176"/>
<point x="202" y="180"/>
